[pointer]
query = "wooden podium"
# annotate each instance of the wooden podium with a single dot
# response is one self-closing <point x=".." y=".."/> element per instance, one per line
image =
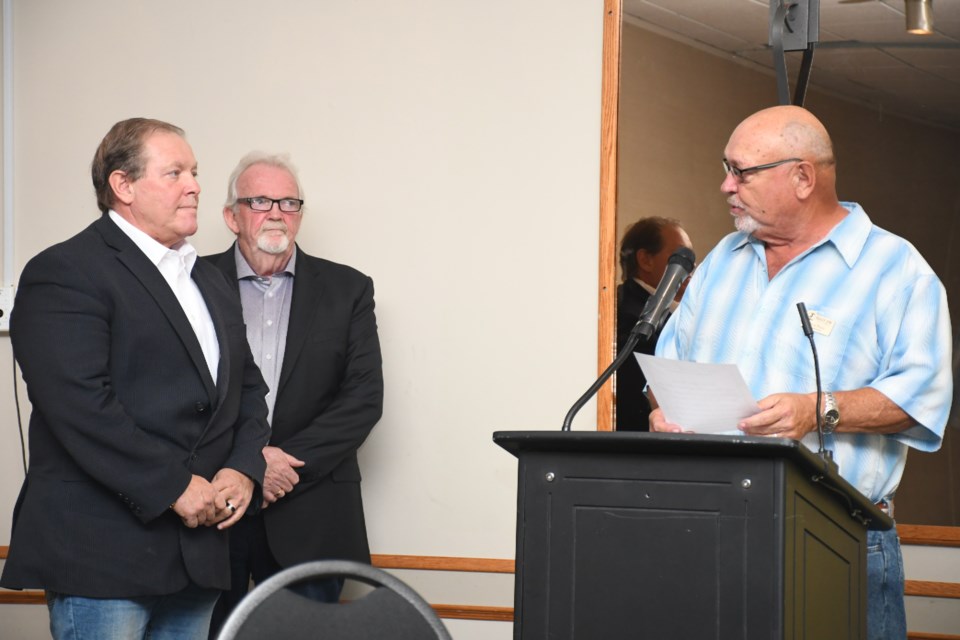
<point x="663" y="536"/>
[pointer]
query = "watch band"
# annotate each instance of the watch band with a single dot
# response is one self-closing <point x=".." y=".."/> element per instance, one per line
<point x="831" y="413"/>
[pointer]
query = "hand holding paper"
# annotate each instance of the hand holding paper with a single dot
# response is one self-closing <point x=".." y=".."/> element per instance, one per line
<point x="703" y="398"/>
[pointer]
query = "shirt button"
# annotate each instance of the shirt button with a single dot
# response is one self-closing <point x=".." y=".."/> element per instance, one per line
<point x="269" y="323"/>
<point x="269" y="357"/>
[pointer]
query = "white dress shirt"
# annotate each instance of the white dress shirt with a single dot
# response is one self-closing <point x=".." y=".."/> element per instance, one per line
<point x="175" y="265"/>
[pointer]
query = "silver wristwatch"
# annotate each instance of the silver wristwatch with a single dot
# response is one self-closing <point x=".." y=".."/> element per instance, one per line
<point x="831" y="413"/>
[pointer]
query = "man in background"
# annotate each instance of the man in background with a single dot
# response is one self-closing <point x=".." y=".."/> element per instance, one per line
<point x="878" y="312"/>
<point x="644" y="251"/>
<point x="311" y="327"/>
<point x="148" y="411"/>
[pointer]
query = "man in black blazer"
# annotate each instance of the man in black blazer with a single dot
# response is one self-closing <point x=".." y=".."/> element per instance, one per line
<point x="644" y="251"/>
<point x="148" y="413"/>
<point x="312" y="330"/>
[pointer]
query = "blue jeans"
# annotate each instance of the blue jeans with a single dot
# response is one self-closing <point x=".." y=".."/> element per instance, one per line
<point x="184" y="615"/>
<point x="886" y="618"/>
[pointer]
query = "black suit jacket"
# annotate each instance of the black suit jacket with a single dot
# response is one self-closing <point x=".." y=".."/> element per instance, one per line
<point x="125" y="411"/>
<point x="329" y="397"/>
<point x="633" y="407"/>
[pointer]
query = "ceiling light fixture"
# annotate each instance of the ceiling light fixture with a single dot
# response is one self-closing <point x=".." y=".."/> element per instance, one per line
<point x="920" y="17"/>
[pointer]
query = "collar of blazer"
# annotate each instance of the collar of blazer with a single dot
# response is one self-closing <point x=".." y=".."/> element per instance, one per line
<point x="308" y="288"/>
<point x="149" y="276"/>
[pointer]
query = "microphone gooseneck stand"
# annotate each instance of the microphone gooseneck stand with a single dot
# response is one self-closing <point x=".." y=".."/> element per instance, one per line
<point x="823" y="452"/>
<point x="679" y="266"/>
<point x="627" y="350"/>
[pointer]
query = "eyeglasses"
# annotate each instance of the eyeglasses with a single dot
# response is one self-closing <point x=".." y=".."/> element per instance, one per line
<point x="738" y="172"/>
<point x="263" y="203"/>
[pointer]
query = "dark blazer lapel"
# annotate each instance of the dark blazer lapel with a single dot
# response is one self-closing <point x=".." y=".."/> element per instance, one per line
<point x="147" y="273"/>
<point x="307" y="293"/>
<point x="228" y="264"/>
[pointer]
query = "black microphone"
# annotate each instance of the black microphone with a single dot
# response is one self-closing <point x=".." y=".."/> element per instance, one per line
<point x="678" y="268"/>
<point x="824" y="453"/>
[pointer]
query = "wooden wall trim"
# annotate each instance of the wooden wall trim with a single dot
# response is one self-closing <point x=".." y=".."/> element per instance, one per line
<point x="609" y="104"/>
<point x="505" y="566"/>
<point x="927" y="589"/>
<point x="467" y="612"/>
<point x="443" y="563"/>
<point x="929" y="535"/>
<point x="22" y="597"/>
<point x="922" y="588"/>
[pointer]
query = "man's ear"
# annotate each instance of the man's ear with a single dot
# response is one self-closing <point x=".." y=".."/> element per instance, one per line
<point x="644" y="261"/>
<point x="230" y="217"/>
<point x="122" y="186"/>
<point x="804" y="179"/>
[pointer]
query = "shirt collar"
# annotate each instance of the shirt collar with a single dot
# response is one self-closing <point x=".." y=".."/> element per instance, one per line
<point x="651" y="290"/>
<point x="244" y="270"/>
<point x="849" y="235"/>
<point x="155" y="251"/>
<point x="646" y="287"/>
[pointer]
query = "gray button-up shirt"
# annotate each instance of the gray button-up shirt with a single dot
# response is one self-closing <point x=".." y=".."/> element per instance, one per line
<point x="266" y="312"/>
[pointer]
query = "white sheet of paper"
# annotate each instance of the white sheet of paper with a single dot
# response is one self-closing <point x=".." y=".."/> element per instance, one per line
<point x="700" y="397"/>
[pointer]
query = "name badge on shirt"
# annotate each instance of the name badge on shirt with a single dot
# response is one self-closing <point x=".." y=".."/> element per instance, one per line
<point x="821" y="324"/>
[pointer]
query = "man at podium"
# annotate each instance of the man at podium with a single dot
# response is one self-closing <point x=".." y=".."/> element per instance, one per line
<point x="878" y="313"/>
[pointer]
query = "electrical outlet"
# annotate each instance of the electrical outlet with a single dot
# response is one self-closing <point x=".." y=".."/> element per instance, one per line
<point x="6" y="306"/>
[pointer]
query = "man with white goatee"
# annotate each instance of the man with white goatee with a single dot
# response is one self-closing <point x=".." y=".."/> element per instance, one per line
<point x="312" y="330"/>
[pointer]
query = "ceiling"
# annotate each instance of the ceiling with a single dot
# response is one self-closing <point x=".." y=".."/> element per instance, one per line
<point x="864" y="52"/>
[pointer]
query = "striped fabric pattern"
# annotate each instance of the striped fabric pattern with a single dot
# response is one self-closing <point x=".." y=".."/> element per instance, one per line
<point x="882" y="322"/>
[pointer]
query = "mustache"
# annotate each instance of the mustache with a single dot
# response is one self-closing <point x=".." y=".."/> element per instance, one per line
<point x="273" y="226"/>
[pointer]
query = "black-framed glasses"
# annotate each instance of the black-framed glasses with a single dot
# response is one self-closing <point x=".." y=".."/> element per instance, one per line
<point x="738" y="172"/>
<point x="263" y="203"/>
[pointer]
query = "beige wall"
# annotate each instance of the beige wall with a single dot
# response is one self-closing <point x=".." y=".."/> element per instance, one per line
<point x="448" y="149"/>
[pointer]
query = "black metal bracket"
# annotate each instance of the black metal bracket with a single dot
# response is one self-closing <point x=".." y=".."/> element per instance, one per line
<point x="794" y="26"/>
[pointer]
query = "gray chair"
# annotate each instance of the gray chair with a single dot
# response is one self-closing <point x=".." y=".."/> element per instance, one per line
<point x="391" y="610"/>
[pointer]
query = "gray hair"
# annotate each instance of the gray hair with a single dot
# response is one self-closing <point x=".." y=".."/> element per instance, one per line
<point x="278" y="160"/>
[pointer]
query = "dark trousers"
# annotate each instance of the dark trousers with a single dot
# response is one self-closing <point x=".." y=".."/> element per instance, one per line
<point x="250" y="558"/>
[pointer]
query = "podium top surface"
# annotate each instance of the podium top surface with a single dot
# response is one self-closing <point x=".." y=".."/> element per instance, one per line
<point x="687" y="444"/>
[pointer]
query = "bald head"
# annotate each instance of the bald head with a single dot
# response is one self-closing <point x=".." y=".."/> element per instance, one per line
<point x="784" y="132"/>
<point x="785" y="191"/>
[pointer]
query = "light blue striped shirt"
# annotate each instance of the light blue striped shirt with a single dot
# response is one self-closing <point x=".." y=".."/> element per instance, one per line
<point x="883" y="323"/>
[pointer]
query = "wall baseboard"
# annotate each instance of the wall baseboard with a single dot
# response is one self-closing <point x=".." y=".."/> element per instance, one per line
<point x="920" y="588"/>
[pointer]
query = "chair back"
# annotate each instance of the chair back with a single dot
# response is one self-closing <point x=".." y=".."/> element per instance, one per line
<point x="391" y="610"/>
